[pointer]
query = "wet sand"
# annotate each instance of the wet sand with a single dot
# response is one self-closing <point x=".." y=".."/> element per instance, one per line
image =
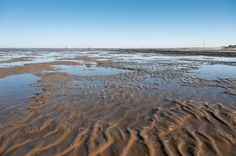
<point x="118" y="103"/>
<point x="229" y="51"/>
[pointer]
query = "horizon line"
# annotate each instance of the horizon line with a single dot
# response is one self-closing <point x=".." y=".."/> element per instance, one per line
<point x="115" y="47"/>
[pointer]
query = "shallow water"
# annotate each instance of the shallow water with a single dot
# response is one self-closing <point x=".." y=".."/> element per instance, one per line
<point x="17" y="88"/>
<point x="215" y="71"/>
<point x="89" y="70"/>
<point x="103" y="55"/>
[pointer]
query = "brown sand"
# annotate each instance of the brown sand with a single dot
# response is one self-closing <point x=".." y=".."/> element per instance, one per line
<point x="221" y="51"/>
<point x="228" y="51"/>
<point x="32" y="68"/>
<point x="20" y="59"/>
<point x="123" y="115"/>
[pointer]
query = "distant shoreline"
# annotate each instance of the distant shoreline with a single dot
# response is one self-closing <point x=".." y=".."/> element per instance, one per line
<point x="221" y="51"/>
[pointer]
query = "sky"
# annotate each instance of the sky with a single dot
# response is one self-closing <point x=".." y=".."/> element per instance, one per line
<point x="117" y="23"/>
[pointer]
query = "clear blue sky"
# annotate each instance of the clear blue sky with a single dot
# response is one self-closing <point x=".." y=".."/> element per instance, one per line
<point x="117" y="23"/>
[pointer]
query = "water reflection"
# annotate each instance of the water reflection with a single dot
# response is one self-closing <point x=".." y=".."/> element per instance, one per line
<point x="17" y="89"/>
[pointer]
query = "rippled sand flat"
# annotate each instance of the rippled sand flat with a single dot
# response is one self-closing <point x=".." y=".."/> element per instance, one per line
<point x="116" y="103"/>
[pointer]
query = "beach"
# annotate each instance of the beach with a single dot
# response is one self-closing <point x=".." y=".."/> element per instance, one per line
<point x="109" y="102"/>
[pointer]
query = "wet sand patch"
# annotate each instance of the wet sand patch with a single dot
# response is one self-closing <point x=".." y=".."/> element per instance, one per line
<point x="35" y="68"/>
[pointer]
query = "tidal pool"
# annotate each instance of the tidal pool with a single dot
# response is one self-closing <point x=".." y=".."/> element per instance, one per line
<point x="216" y="71"/>
<point x="17" y="89"/>
<point x="84" y="70"/>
